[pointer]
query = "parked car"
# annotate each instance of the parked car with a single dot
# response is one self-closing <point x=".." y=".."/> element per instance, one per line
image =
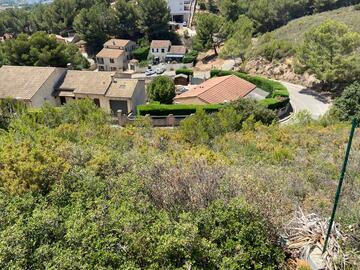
<point x="150" y="72"/>
<point x="160" y="70"/>
<point x="184" y="24"/>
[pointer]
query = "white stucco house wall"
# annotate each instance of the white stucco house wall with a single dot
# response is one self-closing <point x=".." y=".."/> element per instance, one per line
<point x="160" y="48"/>
<point x="180" y="10"/>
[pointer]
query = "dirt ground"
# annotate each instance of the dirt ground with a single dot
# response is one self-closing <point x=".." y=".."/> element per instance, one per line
<point x="207" y="61"/>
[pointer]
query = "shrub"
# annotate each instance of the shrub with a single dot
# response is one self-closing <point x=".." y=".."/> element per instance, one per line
<point x="271" y="49"/>
<point x="184" y="71"/>
<point x="82" y="111"/>
<point x="249" y="107"/>
<point x="10" y="109"/>
<point x="175" y="109"/>
<point x="190" y="57"/>
<point x="161" y="89"/>
<point x="347" y="106"/>
<point x="141" y="53"/>
<point x="201" y="128"/>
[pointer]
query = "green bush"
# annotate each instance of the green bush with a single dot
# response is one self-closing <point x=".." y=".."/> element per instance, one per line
<point x="184" y="71"/>
<point x="201" y="127"/>
<point x="271" y="48"/>
<point x="275" y="103"/>
<point x="175" y="109"/>
<point x="190" y="57"/>
<point x="347" y="106"/>
<point x="161" y="89"/>
<point x="141" y="53"/>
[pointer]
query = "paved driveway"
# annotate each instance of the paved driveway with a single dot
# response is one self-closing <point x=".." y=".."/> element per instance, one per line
<point x="302" y="98"/>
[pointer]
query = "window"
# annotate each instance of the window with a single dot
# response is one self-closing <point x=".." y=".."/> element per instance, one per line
<point x="112" y="61"/>
<point x="162" y="50"/>
<point x="157" y="50"/>
<point x="153" y="50"/>
<point x="100" y="60"/>
<point x="101" y="68"/>
<point x="113" y="68"/>
<point x="97" y="102"/>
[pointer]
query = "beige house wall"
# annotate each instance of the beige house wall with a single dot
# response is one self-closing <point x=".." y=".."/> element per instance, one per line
<point x="139" y="96"/>
<point x="118" y="63"/>
<point x="104" y="101"/>
<point x="190" y="100"/>
<point x="46" y="91"/>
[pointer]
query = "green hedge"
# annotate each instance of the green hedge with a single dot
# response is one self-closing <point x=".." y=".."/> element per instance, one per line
<point x="141" y="53"/>
<point x="175" y="109"/>
<point x="275" y="103"/>
<point x="184" y="71"/>
<point x="279" y="95"/>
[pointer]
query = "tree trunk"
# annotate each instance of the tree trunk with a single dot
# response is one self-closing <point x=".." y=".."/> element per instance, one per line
<point x="215" y="50"/>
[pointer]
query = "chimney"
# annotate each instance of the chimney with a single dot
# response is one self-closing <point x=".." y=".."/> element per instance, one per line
<point x="113" y="78"/>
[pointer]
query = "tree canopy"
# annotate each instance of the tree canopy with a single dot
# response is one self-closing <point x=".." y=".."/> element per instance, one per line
<point x="331" y="52"/>
<point x="161" y="89"/>
<point x="41" y="49"/>
<point x="240" y="38"/>
<point x="207" y="26"/>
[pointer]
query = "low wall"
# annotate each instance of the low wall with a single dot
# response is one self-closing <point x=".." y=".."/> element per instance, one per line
<point x="157" y="121"/>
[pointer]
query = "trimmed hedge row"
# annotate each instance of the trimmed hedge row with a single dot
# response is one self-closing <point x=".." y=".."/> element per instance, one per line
<point x="175" y="109"/>
<point x="275" y="103"/>
<point x="184" y="71"/>
<point x="274" y="88"/>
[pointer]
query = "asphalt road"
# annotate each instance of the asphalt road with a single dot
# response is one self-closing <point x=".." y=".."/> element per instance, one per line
<point x="302" y="98"/>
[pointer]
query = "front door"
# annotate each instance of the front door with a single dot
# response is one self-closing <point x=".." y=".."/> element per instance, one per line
<point x="62" y="100"/>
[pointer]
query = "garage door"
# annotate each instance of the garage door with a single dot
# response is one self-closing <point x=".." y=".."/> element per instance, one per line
<point x="116" y="105"/>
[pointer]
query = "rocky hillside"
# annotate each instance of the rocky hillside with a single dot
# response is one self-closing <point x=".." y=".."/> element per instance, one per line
<point x="279" y="70"/>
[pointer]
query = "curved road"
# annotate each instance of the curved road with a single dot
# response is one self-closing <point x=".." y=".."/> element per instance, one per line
<point x="302" y="98"/>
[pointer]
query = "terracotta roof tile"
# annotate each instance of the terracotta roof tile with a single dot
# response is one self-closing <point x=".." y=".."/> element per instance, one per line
<point x="160" y="44"/>
<point x="178" y="50"/>
<point x="110" y="53"/>
<point x="219" y="90"/>
<point x="116" y="42"/>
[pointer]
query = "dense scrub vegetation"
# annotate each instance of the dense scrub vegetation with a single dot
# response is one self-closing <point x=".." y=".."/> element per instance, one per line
<point x="77" y="193"/>
<point x="271" y="14"/>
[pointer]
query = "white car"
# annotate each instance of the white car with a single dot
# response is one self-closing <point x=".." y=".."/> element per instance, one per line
<point x="160" y="70"/>
<point x="150" y="72"/>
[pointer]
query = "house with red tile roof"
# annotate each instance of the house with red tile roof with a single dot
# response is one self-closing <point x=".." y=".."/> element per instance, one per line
<point x="220" y="90"/>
